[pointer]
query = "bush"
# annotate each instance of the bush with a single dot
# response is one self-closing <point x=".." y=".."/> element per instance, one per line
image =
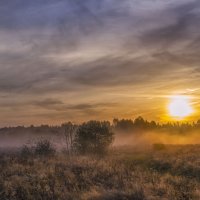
<point x="93" y="137"/>
<point x="44" y="147"/>
<point x="26" y="151"/>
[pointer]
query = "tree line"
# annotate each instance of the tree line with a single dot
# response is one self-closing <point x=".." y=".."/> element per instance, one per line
<point x="97" y="136"/>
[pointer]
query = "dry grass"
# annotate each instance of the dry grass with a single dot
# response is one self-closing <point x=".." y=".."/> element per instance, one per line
<point x="172" y="173"/>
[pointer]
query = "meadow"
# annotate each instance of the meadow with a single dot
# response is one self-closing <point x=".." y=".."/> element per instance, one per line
<point x="99" y="99"/>
<point x="158" y="172"/>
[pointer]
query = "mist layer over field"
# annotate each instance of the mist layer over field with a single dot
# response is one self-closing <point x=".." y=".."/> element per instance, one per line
<point x="148" y="138"/>
<point x="13" y="138"/>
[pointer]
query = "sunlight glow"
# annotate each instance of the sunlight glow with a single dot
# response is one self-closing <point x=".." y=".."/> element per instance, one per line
<point x="180" y="107"/>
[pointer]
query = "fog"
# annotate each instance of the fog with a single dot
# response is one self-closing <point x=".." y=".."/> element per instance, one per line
<point x="154" y="137"/>
<point x="15" y="138"/>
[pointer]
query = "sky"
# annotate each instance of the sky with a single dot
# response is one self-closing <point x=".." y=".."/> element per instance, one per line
<point x="76" y="60"/>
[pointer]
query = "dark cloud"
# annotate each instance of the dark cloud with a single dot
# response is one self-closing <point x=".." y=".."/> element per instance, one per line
<point x="56" y="104"/>
<point x="184" y="24"/>
<point x="86" y="106"/>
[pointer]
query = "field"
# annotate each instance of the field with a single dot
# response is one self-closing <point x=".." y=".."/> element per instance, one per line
<point x="157" y="173"/>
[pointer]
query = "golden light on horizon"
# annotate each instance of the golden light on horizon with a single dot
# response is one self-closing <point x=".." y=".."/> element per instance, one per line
<point x="180" y="107"/>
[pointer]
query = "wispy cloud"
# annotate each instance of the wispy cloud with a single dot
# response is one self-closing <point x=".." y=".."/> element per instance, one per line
<point x="54" y="53"/>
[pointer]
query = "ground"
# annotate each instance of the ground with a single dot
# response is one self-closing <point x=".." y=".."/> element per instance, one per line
<point x="126" y="173"/>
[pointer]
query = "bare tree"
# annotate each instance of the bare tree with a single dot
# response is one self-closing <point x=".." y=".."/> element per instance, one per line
<point x="69" y="134"/>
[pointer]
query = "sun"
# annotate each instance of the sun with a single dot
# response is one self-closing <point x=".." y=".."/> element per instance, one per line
<point x="180" y="107"/>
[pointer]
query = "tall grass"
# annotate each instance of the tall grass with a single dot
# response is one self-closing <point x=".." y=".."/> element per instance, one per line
<point x="173" y="173"/>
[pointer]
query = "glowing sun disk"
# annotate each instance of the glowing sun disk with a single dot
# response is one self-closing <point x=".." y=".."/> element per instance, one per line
<point x="180" y="107"/>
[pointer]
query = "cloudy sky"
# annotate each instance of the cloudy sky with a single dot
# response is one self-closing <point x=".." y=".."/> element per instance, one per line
<point x="77" y="60"/>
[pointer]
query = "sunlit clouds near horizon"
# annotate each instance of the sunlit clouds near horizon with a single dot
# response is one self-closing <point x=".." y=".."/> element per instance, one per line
<point x="77" y="60"/>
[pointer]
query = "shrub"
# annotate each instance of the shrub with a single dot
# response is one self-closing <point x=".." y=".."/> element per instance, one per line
<point x="44" y="147"/>
<point x="26" y="152"/>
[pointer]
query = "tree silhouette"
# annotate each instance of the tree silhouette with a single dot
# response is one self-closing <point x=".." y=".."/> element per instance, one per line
<point x="93" y="137"/>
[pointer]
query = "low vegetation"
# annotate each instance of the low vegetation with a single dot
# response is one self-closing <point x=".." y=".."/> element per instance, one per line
<point x="41" y="148"/>
<point x="91" y="168"/>
<point x="124" y="173"/>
